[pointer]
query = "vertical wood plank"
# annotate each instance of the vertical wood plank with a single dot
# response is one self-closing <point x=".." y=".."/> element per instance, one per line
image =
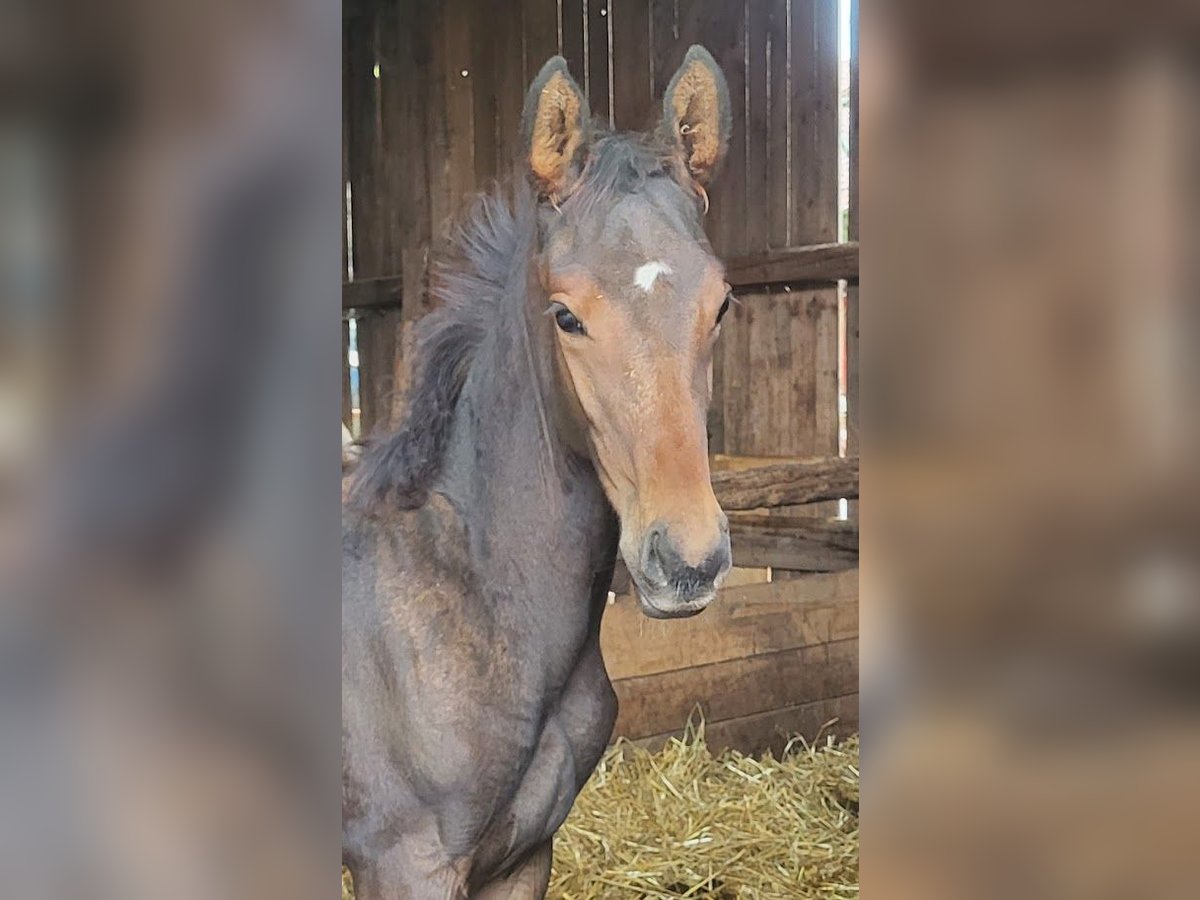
<point x="510" y="87"/>
<point x="436" y="133"/>
<point x="722" y="30"/>
<point x="540" y="22"/>
<point x="392" y="191"/>
<point x="800" y="382"/>
<point x="814" y="117"/>
<point x="572" y="48"/>
<point x="597" y="13"/>
<point x="814" y="213"/>
<point x="633" y="94"/>
<point x="762" y="427"/>
<point x="460" y="113"/>
<point x="825" y="373"/>
<point x="691" y="19"/>
<point x="675" y="25"/>
<point x="405" y="61"/>
<point x="757" y="186"/>
<point x="364" y="145"/>
<point x="664" y="31"/>
<point x="485" y="29"/>
<point x="786" y="308"/>
<point x="779" y="124"/>
<point x="404" y="82"/>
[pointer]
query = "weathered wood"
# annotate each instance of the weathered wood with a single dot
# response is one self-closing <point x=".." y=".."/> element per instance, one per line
<point x="436" y="135"/>
<point x="654" y="704"/>
<point x="633" y="96"/>
<point x="816" y="263"/>
<point x="779" y="125"/>
<point x="787" y="483"/>
<point x="772" y="730"/>
<point x="798" y="543"/>
<point x="663" y="28"/>
<point x="826" y="423"/>
<point x="597" y="85"/>
<point x="814" y="210"/>
<point x="394" y="182"/>
<point x="780" y="392"/>
<point x="486" y="26"/>
<point x="456" y="32"/>
<point x="404" y="79"/>
<point x="364" y="146"/>
<point x="510" y="86"/>
<point x="572" y="39"/>
<point x="756" y="221"/>
<point x="742" y="621"/>
<point x="722" y="29"/>
<point x="372" y="293"/>
<point x="814" y="99"/>
<point x="762" y="418"/>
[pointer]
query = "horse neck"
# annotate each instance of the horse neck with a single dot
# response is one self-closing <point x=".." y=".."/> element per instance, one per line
<point x="539" y="526"/>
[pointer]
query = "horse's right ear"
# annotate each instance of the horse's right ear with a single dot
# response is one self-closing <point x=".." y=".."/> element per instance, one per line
<point x="554" y="129"/>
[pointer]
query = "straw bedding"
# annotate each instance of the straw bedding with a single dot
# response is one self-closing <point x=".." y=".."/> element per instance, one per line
<point x="683" y="823"/>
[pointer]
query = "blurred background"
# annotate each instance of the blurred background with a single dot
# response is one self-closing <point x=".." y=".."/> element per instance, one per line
<point x="1030" y="575"/>
<point x="168" y="475"/>
<point x="1030" y="586"/>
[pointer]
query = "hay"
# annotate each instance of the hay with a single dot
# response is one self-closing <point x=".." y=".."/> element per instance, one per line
<point x="683" y="823"/>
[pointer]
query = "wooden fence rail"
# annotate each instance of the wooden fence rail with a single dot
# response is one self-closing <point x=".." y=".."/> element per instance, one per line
<point x="816" y="264"/>
<point x="788" y="483"/>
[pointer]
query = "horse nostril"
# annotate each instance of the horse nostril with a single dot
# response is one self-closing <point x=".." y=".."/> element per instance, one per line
<point x="654" y="562"/>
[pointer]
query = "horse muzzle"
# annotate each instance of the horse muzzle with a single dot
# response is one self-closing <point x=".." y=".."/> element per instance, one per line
<point x="668" y="585"/>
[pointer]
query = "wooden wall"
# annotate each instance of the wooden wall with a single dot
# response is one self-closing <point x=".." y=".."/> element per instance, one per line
<point x="432" y="99"/>
<point x="765" y="661"/>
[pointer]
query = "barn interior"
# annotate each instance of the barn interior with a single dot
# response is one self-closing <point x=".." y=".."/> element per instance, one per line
<point x="432" y="95"/>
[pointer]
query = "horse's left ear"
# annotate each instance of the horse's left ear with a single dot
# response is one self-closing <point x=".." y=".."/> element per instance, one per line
<point x="697" y="119"/>
<point x="554" y="129"/>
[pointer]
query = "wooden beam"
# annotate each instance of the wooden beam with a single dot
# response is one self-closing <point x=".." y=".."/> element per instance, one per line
<point x="816" y="263"/>
<point x="662" y="702"/>
<point x="372" y="293"/>
<point x="787" y="483"/>
<point x="772" y="730"/>
<point x="742" y="621"/>
<point x="793" y="542"/>
<point x="795" y="265"/>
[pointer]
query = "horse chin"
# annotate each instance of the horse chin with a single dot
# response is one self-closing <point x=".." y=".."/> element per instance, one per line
<point x="666" y="605"/>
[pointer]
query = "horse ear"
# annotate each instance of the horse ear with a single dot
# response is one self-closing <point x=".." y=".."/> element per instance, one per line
<point x="697" y="119"/>
<point x="554" y="128"/>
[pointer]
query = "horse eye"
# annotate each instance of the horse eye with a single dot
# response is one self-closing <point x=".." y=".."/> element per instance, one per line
<point x="724" y="308"/>
<point x="567" y="322"/>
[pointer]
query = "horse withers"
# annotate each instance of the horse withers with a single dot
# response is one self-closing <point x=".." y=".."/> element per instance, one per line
<point x="556" y="413"/>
